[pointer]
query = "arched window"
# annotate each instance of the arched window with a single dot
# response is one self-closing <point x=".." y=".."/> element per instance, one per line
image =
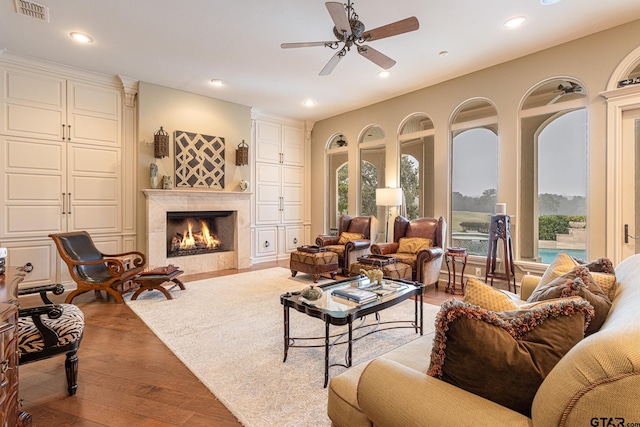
<point x="416" y="139"/>
<point x="338" y="179"/>
<point x="474" y="181"/>
<point x="553" y="172"/>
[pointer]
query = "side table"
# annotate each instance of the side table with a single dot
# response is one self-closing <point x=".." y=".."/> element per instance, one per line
<point x="451" y="256"/>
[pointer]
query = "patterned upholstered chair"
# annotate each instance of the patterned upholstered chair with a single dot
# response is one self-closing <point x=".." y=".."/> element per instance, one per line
<point x="49" y="330"/>
<point x="410" y="246"/>
<point x="354" y="239"/>
<point x="91" y="269"/>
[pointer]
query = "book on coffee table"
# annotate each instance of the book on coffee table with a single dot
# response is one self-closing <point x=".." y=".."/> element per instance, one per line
<point x="360" y="296"/>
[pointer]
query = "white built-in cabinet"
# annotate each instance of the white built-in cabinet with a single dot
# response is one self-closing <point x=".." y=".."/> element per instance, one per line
<point x="61" y="167"/>
<point x="278" y="189"/>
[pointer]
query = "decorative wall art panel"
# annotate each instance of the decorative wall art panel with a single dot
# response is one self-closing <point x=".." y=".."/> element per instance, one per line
<point x="199" y="160"/>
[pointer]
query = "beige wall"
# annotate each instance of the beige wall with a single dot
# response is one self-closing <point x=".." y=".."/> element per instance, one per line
<point x="591" y="60"/>
<point x="177" y="110"/>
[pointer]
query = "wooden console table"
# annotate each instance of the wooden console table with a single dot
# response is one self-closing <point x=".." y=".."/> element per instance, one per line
<point x="9" y="413"/>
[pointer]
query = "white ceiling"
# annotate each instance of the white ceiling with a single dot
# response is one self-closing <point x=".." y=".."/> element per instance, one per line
<point x="183" y="44"/>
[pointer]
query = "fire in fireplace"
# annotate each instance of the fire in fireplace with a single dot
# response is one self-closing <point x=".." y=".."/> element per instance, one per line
<point x="194" y="233"/>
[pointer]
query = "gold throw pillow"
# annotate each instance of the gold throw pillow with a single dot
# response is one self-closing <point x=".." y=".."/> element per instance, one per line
<point x="346" y="237"/>
<point x="411" y="245"/>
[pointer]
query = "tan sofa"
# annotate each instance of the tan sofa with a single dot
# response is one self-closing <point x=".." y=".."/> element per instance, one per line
<point x="597" y="380"/>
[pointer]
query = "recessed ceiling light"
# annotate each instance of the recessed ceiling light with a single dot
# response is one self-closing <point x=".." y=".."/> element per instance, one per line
<point x="217" y="82"/>
<point x="384" y="74"/>
<point x="548" y="2"/>
<point x="82" y="38"/>
<point x="309" y="103"/>
<point x="443" y="53"/>
<point x="515" y="22"/>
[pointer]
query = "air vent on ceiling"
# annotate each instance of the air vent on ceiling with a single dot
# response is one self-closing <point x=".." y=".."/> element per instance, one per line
<point x="33" y="10"/>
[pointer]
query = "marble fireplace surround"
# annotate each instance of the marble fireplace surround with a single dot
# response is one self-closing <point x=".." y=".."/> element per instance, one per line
<point x="159" y="202"/>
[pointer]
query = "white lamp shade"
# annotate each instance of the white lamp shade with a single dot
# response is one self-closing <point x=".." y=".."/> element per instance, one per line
<point x="388" y="196"/>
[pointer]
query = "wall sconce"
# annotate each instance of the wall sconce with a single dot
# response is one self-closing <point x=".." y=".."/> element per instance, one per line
<point x="242" y="154"/>
<point x="160" y="144"/>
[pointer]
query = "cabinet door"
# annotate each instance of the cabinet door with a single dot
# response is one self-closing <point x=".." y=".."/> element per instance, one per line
<point x="34" y="104"/>
<point x="266" y="243"/>
<point x="93" y="114"/>
<point x="268" y="202"/>
<point x="292" y="146"/>
<point x="40" y="253"/>
<point x="32" y="177"/>
<point x="292" y="194"/>
<point x="293" y="238"/>
<point x="94" y="188"/>
<point x="268" y="142"/>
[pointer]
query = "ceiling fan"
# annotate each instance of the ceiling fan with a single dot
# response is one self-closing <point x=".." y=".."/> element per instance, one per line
<point x="566" y="88"/>
<point x="350" y="31"/>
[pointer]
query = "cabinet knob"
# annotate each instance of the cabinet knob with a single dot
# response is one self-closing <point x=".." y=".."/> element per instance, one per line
<point x="295" y="240"/>
<point x="266" y="243"/>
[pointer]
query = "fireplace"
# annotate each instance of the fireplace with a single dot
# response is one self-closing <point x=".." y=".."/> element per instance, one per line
<point x="237" y="244"/>
<point x="200" y="232"/>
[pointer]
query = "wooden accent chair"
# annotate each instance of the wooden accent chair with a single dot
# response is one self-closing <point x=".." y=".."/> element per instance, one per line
<point x="49" y="330"/>
<point x="425" y="262"/>
<point x="354" y="239"/>
<point x="93" y="270"/>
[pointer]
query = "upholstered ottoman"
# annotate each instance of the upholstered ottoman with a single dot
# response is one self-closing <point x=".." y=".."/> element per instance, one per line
<point x="396" y="270"/>
<point x="317" y="263"/>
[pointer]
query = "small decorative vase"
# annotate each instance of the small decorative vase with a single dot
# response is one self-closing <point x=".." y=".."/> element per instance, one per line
<point x="311" y="293"/>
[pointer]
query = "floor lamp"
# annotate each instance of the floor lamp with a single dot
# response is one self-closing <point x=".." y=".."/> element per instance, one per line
<point x="388" y="197"/>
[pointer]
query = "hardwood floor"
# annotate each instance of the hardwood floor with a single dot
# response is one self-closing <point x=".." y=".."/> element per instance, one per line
<point x="127" y="377"/>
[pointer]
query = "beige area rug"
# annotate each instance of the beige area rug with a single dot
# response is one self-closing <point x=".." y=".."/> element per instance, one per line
<point x="229" y="332"/>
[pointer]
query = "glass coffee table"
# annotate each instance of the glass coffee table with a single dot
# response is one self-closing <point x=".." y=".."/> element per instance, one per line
<point x="339" y="311"/>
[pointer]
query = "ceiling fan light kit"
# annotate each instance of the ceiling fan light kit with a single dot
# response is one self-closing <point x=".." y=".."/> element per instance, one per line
<point x="350" y="31"/>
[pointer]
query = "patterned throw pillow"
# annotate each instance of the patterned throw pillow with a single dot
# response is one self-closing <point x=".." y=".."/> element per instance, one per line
<point x="346" y="237"/>
<point x="485" y="296"/>
<point x="504" y="357"/>
<point x="577" y="282"/>
<point x="563" y="264"/>
<point x="412" y="245"/>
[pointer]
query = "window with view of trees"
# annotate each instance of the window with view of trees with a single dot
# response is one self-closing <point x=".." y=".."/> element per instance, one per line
<point x="474" y="181"/>
<point x="554" y="172"/>
<point x="409" y="181"/>
<point x="416" y="139"/>
<point x="343" y="189"/>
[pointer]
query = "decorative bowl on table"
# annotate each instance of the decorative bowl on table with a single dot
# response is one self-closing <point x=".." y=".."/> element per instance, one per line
<point x="311" y="293"/>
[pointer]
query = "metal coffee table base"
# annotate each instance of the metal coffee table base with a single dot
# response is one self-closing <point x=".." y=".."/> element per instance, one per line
<point x="338" y="339"/>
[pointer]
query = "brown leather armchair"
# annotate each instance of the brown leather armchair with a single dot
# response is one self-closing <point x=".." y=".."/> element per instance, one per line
<point x="348" y="244"/>
<point x="426" y="262"/>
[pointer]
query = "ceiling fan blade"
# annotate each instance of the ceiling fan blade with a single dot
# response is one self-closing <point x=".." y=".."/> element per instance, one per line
<point x="331" y="64"/>
<point x="393" y="29"/>
<point x="556" y="98"/>
<point x="376" y="57"/>
<point x="304" y="44"/>
<point x="339" y="17"/>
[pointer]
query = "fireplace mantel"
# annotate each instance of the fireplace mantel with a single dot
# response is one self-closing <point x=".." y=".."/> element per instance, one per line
<point x="159" y="202"/>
